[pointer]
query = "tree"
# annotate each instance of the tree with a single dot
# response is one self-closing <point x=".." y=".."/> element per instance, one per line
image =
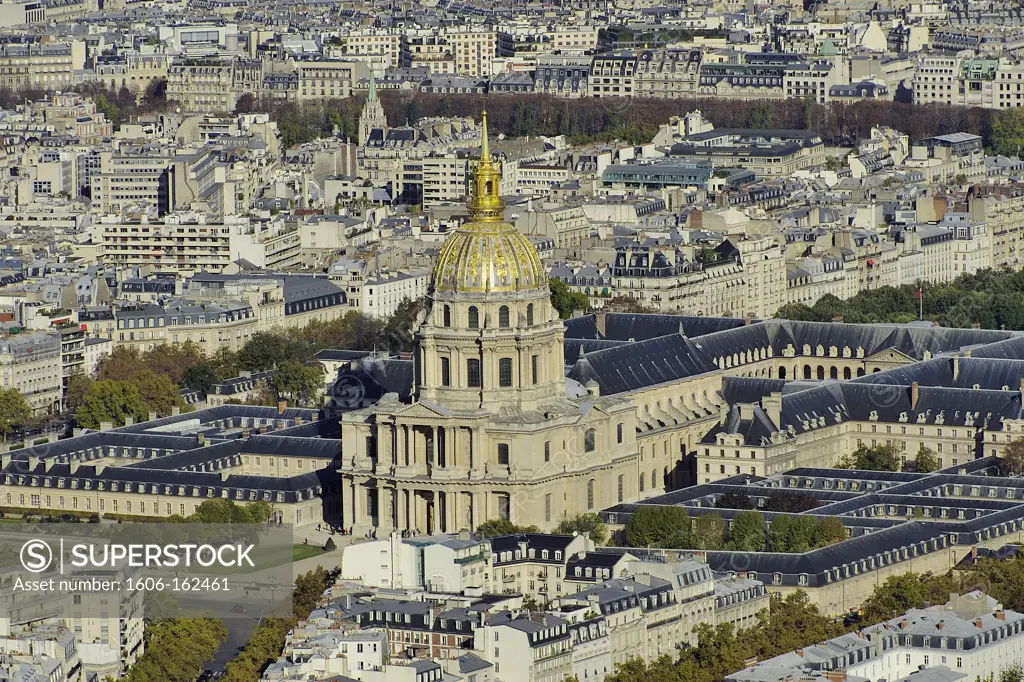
<point x="589" y="524"/>
<point x="905" y="591"/>
<point x="177" y="649"/>
<point x="762" y="116"/>
<point x="199" y="377"/>
<point x="748" y="532"/>
<point x="121" y="364"/>
<point x="734" y="501"/>
<point x="1007" y="135"/>
<point x="926" y="460"/>
<point x="779" y="532"/>
<point x="263" y="351"/>
<point x="566" y="302"/>
<point x="498" y="527"/>
<point x="658" y="527"/>
<point x="262" y="394"/>
<point x="1011" y="463"/>
<point x="625" y="304"/>
<point x="301" y="383"/>
<point x="259" y="511"/>
<point x="882" y="457"/>
<point x="110" y="401"/>
<point x="708" y="532"/>
<point x="157" y="392"/>
<point x="74" y="393"/>
<point x="829" y="531"/>
<point x="398" y="330"/>
<point x="14" y="411"/>
<point x="787" y="501"/>
<point x="172" y="361"/>
<point x="801" y="533"/>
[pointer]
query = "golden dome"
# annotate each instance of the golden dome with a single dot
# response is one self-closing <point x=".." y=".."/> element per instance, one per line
<point x="486" y="253"/>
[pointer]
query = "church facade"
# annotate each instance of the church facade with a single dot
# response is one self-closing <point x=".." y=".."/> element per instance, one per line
<point x="492" y="428"/>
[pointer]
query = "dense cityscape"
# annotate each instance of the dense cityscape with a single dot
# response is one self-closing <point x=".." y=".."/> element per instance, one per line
<point x="568" y="342"/>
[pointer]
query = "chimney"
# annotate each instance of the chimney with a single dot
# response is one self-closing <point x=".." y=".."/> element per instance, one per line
<point x="914" y="395"/>
<point x="299" y="420"/>
<point x="978" y="624"/>
<point x="941" y="624"/>
<point x="74" y="464"/>
<point x="974" y="552"/>
<point x="129" y="421"/>
<point x="1001" y="615"/>
<point x="100" y="465"/>
<point x="200" y="439"/>
<point x="800" y="653"/>
<point x="956" y="367"/>
<point x="772" y="406"/>
<point x="282" y="406"/>
<point x="33" y="462"/>
<point x="224" y="473"/>
<point x="903" y="625"/>
<point x="245" y="432"/>
<point x="175" y="411"/>
<point x="106" y="426"/>
<point x="152" y="416"/>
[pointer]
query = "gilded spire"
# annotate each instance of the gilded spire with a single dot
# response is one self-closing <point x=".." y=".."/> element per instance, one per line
<point x="485" y="145"/>
<point x="485" y="204"/>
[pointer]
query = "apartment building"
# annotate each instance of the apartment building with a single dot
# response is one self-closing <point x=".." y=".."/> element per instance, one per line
<point x="445" y="179"/>
<point x="209" y="326"/>
<point x="380" y="295"/>
<point x="333" y="79"/>
<point x="30" y="363"/>
<point x="970" y="636"/>
<point x="613" y="75"/>
<point x="475" y="49"/>
<point x="134" y="177"/>
<point x="37" y="66"/>
<point x="667" y="73"/>
<point x="188" y="243"/>
<point x="562" y="75"/>
<point x="211" y="85"/>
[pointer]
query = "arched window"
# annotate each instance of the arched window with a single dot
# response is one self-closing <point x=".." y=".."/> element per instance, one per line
<point x="833" y="373"/>
<point x="807" y="371"/>
<point x="590" y="494"/>
<point x="654" y="478"/>
<point x="846" y="372"/>
<point x="821" y="372"/>
<point x="782" y="372"/>
<point x="474" y="317"/>
<point x="473" y="372"/>
<point x="641" y="481"/>
<point x="503" y="317"/>
<point x="618" y="433"/>
<point x="447" y="316"/>
<point x="529" y="315"/>
<point x="446" y="372"/>
<point x="589" y="440"/>
<point x="505" y="372"/>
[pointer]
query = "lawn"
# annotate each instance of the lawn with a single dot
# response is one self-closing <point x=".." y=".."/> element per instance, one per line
<point x="300" y="552"/>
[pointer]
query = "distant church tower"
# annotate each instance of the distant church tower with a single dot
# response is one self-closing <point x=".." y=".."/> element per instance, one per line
<point x="372" y="115"/>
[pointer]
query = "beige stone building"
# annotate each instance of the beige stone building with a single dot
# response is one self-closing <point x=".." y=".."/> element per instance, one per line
<point x="491" y="431"/>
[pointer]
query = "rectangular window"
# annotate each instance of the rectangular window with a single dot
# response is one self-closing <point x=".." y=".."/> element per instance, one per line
<point x="505" y="372"/>
<point x="503" y="453"/>
<point x="473" y="373"/>
<point x="547" y="507"/>
<point x="547" y="451"/>
<point x="620" y="487"/>
<point x="533" y="369"/>
<point x="446" y="372"/>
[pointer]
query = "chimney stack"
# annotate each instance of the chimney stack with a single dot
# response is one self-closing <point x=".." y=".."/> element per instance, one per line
<point x="956" y="367"/>
<point x="282" y="406"/>
<point x="915" y="391"/>
<point x="201" y="439"/>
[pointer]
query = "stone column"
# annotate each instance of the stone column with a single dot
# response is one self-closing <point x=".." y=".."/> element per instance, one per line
<point x="350" y="505"/>
<point x="450" y="447"/>
<point x="435" y="446"/>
